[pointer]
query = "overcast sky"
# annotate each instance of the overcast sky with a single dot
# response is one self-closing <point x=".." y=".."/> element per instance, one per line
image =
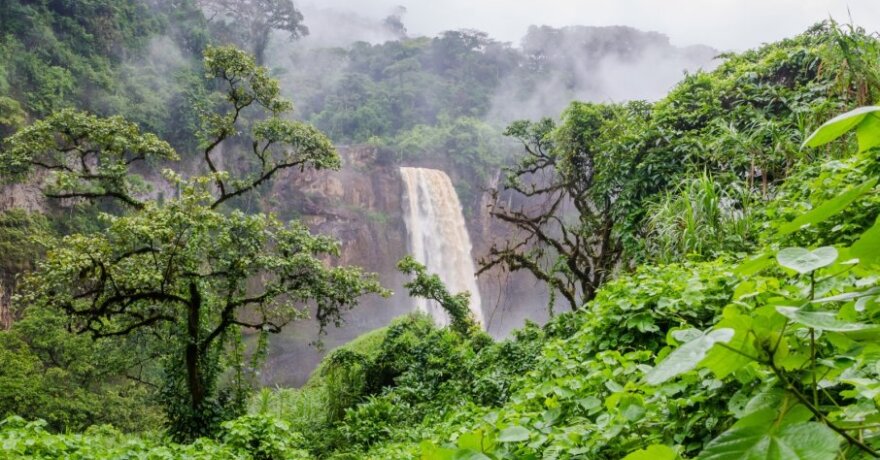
<point x="723" y="24"/>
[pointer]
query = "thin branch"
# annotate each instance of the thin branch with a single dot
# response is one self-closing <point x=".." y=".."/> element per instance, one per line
<point x="819" y="414"/>
<point x="256" y="183"/>
<point x="94" y="195"/>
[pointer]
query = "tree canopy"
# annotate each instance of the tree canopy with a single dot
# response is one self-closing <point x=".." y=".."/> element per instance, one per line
<point x="249" y="23"/>
<point x="185" y="268"/>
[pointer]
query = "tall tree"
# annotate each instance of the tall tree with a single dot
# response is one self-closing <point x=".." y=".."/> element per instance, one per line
<point x="189" y="270"/>
<point x="251" y="22"/>
<point x="565" y="199"/>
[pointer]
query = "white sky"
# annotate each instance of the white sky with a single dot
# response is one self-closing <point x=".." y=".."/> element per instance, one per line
<point x="723" y="24"/>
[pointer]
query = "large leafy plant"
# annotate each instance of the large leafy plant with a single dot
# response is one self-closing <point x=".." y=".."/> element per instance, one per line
<point x="801" y="337"/>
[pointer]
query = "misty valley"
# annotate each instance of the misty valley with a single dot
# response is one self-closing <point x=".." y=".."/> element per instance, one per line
<point x="281" y="229"/>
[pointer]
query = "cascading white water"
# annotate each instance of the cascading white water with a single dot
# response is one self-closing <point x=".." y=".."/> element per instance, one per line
<point x="438" y="236"/>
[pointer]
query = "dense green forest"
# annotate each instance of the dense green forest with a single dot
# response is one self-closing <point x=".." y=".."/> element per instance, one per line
<point x="712" y="258"/>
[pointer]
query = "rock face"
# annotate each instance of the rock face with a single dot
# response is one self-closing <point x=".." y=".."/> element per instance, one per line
<point x="359" y="205"/>
<point x="15" y="196"/>
<point x="22" y="196"/>
<point x="362" y="206"/>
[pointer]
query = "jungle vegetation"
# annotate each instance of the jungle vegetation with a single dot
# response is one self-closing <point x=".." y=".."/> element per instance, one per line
<point x="718" y="251"/>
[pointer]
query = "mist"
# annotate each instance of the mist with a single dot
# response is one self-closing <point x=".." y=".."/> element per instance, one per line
<point x="587" y="63"/>
<point x="595" y="64"/>
<point x="340" y="27"/>
<point x="723" y="24"/>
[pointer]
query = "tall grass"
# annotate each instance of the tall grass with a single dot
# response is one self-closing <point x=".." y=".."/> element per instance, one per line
<point x="701" y="218"/>
<point x="301" y="407"/>
<point x="337" y="384"/>
<point x="345" y="382"/>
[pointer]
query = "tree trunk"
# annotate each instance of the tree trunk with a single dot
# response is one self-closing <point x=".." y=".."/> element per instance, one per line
<point x="195" y="379"/>
<point x="764" y="183"/>
<point x="261" y="42"/>
<point x="752" y="175"/>
<point x="5" y="313"/>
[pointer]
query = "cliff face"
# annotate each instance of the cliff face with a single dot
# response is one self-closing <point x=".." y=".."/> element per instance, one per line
<point x="26" y="197"/>
<point x="359" y="205"/>
<point x="362" y="206"/>
<point x="22" y="196"/>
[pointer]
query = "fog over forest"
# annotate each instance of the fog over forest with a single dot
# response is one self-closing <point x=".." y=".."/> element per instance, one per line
<point x="722" y="24"/>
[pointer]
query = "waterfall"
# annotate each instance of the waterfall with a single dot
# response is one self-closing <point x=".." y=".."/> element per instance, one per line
<point x="438" y="237"/>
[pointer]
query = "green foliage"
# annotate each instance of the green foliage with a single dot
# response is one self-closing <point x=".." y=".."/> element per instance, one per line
<point x="688" y="355"/>
<point x="22" y="237"/>
<point x="370" y="422"/>
<point x="865" y="249"/>
<point x="636" y="311"/>
<point x="472" y="148"/>
<point x="87" y="156"/>
<point x="249" y="23"/>
<point x="570" y="190"/>
<point x="807" y="441"/>
<point x="11" y="115"/>
<point x="805" y="261"/>
<point x="829" y="208"/>
<point x="655" y="452"/>
<point x="48" y="372"/>
<point x="703" y="217"/>
<point x="828" y="339"/>
<point x="344" y="376"/>
<point x="263" y="438"/>
<point x="619" y="166"/>
<point x="71" y="381"/>
<point x="246" y="438"/>
<point x="75" y="54"/>
<point x="429" y="286"/>
<point x="864" y="120"/>
<point x="390" y="88"/>
<point x="426" y="382"/>
<point x="179" y="270"/>
<point x="775" y="358"/>
<point x="817" y="193"/>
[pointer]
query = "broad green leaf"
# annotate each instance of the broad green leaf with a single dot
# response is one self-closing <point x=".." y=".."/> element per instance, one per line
<point x="513" y="434"/>
<point x="829" y="208"/>
<point x="868" y="132"/>
<point x="841" y="124"/>
<point x="467" y="454"/>
<point x="723" y="361"/>
<point x="805" y="261"/>
<point x="655" y="452"/>
<point x="867" y="247"/>
<point x="766" y="399"/>
<point x="632" y="408"/>
<point x="863" y="302"/>
<point x="686" y="335"/>
<point x="773" y="408"/>
<point x="763" y="418"/>
<point x="475" y="440"/>
<point x="687" y="356"/>
<point x="754" y="264"/>
<point x="849" y="295"/>
<point x="432" y="452"/>
<point x="822" y="320"/>
<point x="801" y="441"/>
